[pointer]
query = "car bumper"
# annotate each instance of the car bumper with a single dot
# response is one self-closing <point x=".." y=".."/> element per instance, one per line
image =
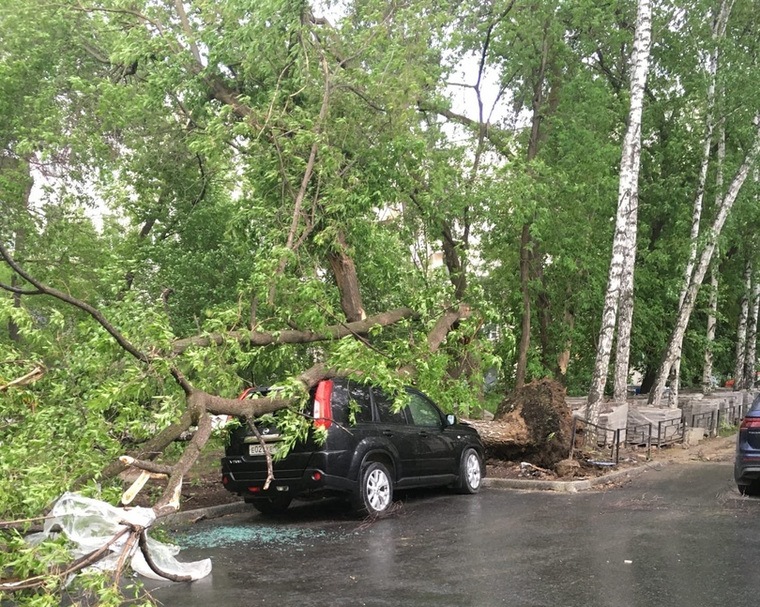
<point x="746" y="468"/>
<point x="311" y="481"/>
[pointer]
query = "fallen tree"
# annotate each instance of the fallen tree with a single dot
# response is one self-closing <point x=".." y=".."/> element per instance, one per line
<point x="199" y="407"/>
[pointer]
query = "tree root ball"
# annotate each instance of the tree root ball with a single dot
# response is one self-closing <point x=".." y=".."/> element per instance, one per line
<point x="532" y="424"/>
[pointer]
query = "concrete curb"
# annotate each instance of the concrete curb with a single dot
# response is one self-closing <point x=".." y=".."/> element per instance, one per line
<point x="567" y="486"/>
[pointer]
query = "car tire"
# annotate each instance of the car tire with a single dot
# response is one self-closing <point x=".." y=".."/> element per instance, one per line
<point x="270" y="506"/>
<point x="752" y="489"/>
<point x="374" y="495"/>
<point x="470" y="472"/>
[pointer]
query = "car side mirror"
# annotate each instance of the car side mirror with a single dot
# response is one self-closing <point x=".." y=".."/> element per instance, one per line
<point x="451" y="419"/>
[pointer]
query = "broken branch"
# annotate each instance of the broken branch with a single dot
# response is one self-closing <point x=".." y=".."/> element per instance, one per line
<point x="29" y="378"/>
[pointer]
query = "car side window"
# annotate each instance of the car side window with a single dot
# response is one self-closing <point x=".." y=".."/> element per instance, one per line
<point x="385" y="412"/>
<point x="424" y="413"/>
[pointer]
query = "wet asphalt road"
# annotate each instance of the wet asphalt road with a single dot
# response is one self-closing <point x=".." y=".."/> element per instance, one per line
<point x="678" y="536"/>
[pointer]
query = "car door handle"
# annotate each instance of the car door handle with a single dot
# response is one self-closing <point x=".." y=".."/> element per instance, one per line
<point x="423" y="433"/>
<point x="387" y="433"/>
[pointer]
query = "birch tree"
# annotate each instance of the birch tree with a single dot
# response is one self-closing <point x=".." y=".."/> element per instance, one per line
<point x="718" y="32"/>
<point x="684" y="313"/>
<point x="620" y="279"/>
<point x="712" y="314"/>
<point x="712" y="320"/>
<point x="751" y="348"/>
<point x="741" y="329"/>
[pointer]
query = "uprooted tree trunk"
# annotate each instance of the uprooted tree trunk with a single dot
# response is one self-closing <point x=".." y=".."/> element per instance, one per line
<point x="534" y="423"/>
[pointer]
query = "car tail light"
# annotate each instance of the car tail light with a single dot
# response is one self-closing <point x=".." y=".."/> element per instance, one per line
<point x="322" y="405"/>
<point x="750" y="422"/>
<point x="245" y="393"/>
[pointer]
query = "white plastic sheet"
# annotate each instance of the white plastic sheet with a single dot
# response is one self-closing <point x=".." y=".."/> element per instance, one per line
<point x="90" y="524"/>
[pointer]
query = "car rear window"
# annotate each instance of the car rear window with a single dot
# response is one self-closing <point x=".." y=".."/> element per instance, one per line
<point x="351" y="403"/>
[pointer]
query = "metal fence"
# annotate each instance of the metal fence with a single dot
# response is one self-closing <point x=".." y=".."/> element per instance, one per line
<point x="713" y="421"/>
<point x="670" y="431"/>
<point x="603" y="443"/>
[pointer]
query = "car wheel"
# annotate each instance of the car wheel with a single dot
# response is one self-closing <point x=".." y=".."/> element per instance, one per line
<point x="375" y="493"/>
<point x="753" y="489"/>
<point x="270" y="505"/>
<point x="470" y="472"/>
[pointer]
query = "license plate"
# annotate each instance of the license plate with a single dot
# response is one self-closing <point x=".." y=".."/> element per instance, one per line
<point x="259" y="450"/>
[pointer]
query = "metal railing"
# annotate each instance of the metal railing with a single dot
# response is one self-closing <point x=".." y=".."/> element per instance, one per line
<point x="713" y="421"/>
<point x="605" y="442"/>
<point x="670" y="431"/>
<point x="705" y="420"/>
<point x="730" y="416"/>
<point x="597" y="440"/>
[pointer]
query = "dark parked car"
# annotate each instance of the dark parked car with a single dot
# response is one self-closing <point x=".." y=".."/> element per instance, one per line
<point x="747" y="463"/>
<point x="370" y="451"/>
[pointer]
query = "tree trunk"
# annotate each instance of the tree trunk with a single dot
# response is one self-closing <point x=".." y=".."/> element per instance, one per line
<point x="712" y="316"/>
<point x="684" y="313"/>
<point x="751" y="350"/>
<point x="563" y="359"/>
<point x="741" y="329"/>
<point x="455" y="263"/>
<point x="620" y="279"/>
<point x="625" y="316"/>
<point x="527" y="254"/>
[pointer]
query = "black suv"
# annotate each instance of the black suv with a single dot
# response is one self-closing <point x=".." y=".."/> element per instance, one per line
<point x="370" y="451"/>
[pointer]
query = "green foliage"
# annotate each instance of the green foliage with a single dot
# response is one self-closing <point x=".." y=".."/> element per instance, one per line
<point x="183" y="198"/>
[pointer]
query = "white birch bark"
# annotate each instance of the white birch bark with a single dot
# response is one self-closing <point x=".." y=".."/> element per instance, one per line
<point x="712" y="315"/>
<point x="751" y="350"/>
<point x="625" y="316"/>
<point x="624" y="243"/>
<point x="712" y="321"/>
<point x="684" y="313"/>
<point x="741" y="329"/>
<point x="718" y="31"/>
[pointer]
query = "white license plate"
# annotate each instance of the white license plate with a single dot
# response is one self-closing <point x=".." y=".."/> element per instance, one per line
<point x="259" y="450"/>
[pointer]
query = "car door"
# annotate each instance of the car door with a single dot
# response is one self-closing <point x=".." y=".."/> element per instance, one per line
<point x="393" y="427"/>
<point x="435" y="449"/>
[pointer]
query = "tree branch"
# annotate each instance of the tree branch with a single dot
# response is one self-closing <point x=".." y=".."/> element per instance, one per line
<point x="143" y="542"/>
<point x="85" y="307"/>
<point x="308" y="172"/>
<point x="498" y="137"/>
<point x="29" y="378"/>
<point x="19" y="291"/>
<point x="266" y="338"/>
<point x="95" y="314"/>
